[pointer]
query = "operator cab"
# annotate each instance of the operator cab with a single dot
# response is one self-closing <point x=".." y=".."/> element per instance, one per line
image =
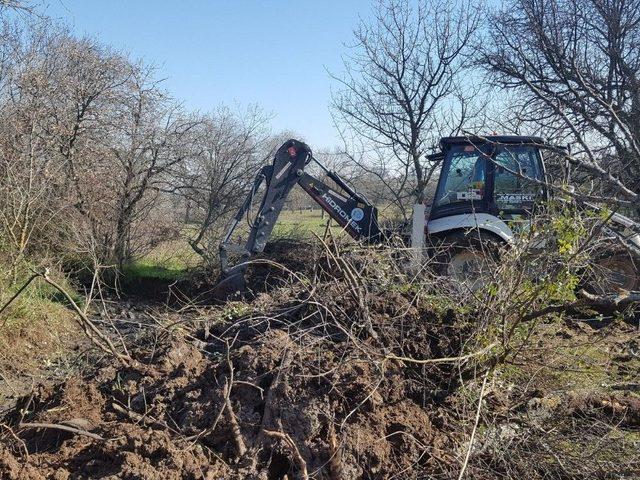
<point x="501" y="176"/>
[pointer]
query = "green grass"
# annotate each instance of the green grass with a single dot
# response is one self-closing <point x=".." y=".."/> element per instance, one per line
<point x="170" y="260"/>
<point x="575" y="364"/>
<point x="37" y="330"/>
<point x="32" y="311"/>
<point x="142" y="269"/>
<point x="39" y="306"/>
<point x="305" y="223"/>
<point x="173" y="259"/>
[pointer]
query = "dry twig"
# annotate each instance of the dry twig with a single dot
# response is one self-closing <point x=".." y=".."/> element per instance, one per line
<point x="290" y="444"/>
<point x="241" y="448"/>
<point x="426" y="361"/>
<point x="93" y="333"/>
<point x="475" y="426"/>
<point x="65" y="428"/>
<point x="17" y="439"/>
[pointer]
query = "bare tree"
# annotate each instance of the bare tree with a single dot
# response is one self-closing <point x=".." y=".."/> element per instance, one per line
<point x="32" y="173"/>
<point x="90" y="136"/>
<point x="148" y="137"/>
<point x="574" y="65"/>
<point x="402" y="87"/>
<point x="228" y="150"/>
<point x="87" y="135"/>
<point x="16" y="5"/>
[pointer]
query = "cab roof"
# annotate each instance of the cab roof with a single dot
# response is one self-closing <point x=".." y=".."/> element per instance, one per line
<point x="501" y="139"/>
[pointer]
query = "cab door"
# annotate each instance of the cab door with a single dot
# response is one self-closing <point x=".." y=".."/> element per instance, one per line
<point x="462" y="187"/>
<point x="516" y="181"/>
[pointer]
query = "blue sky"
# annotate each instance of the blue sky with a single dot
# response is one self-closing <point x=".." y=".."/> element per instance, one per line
<point x="274" y="53"/>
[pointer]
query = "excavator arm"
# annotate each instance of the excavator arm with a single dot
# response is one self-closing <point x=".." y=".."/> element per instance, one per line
<point x="348" y="208"/>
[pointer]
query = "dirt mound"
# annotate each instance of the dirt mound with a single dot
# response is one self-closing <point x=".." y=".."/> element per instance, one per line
<point x="253" y="397"/>
<point x="357" y="374"/>
<point x="267" y="271"/>
<point x="171" y="422"/>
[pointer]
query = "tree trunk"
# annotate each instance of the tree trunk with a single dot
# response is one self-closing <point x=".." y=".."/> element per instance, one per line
<point x="120" y="250"/>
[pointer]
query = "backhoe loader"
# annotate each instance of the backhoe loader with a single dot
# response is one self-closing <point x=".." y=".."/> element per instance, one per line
<point x="485" y="184"/>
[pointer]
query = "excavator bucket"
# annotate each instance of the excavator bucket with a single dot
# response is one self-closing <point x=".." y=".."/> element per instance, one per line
<point x="279" y="178"/>
<point x="230" y="284"/>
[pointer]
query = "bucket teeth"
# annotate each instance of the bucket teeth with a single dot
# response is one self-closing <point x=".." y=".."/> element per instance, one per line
<point x="229" y="285"/>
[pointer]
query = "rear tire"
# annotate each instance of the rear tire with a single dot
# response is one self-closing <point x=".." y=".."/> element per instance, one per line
<point x="467" y="259"/>
<point x="614" y="272"/>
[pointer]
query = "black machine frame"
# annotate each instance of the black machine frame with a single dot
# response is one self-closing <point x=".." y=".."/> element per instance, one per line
<point x="350" y="209"/>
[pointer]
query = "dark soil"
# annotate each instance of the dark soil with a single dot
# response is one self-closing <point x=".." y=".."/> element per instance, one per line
<point x="199" y="286"/>
<point x="210" y="386"/>
<point x="347" y="417"/>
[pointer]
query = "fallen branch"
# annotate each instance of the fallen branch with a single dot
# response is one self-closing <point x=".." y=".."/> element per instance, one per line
<point x="267" y="414"/>
<point x="271" y="393"/>
<point x="16" y="295"/>
<point x="241" y="448"/>
<point x="475" y="427"/>
<point x="588" y="300"/>
<point x="428" y="361"/>
<point x="623" y="299"/>
<point x="55" y="426"/>
<point x="289" y="443"/>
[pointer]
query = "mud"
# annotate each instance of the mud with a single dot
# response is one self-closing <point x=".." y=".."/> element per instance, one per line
<point x="349" y="415"/>
<point x="296" y="382"/>
<point x="160" y="424"/>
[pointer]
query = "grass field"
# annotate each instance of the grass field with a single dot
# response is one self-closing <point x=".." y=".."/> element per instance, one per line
<point x="170" y="260"/>
<point x="173" y="259"/>
<point x="302" y="223"/>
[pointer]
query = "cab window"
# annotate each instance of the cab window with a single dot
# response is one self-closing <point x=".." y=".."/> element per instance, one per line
<point x="516" y="171"/>
<point x="463" y="177"/>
